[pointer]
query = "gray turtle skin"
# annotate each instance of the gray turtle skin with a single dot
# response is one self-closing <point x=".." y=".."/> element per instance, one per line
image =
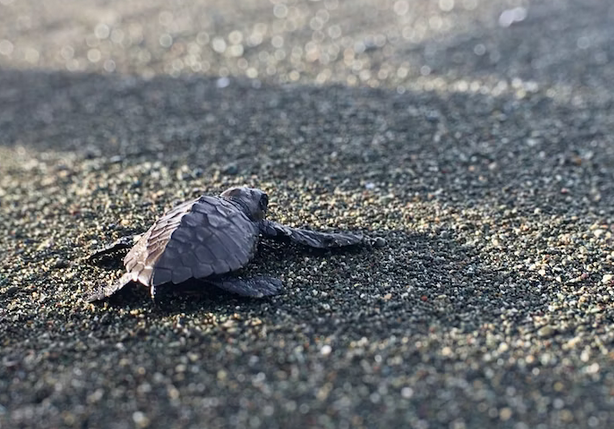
<point x="209" y="237"/>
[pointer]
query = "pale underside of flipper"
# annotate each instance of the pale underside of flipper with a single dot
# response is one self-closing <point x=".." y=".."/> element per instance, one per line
<point x="109" y="289"/>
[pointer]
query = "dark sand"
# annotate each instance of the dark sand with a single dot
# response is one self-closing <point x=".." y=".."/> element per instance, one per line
<point x="475" y="138"/>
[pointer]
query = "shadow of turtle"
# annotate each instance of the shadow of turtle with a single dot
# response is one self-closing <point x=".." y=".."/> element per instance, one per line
<point x="415" y="283"/>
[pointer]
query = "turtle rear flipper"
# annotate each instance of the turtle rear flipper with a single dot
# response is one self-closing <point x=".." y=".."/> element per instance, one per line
<point x="120" y="244"/>
<point x="109" y="289"/>
<point x="306" y="237"/>
<point x="257" y="287"/>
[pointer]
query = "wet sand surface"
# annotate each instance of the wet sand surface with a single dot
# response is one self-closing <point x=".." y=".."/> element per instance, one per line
<point x="476" y="138"/>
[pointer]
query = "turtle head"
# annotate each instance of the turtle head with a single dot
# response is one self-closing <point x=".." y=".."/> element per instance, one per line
<point x="252" y="201"/>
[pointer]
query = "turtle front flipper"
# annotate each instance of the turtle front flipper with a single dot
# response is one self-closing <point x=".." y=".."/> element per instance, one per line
<point x="110" y="289"/>
<point x="257" y="287"/>
<point x="306" y="237"/>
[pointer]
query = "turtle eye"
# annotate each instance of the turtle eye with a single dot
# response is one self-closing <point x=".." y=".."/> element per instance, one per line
<point x="264" y="202"/>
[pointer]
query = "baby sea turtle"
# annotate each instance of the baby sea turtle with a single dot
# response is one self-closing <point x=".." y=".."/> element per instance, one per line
<point x="209" y="237"/>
